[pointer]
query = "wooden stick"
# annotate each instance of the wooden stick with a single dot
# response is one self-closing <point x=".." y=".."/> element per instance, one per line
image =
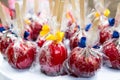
<point x="117" y="17"/>
<point x="36" y="6"/>
<point x="73" y="4"/>
<point x="51" y="5"/>
<point x="55" y="11"/>
<point x="82" y="14"/>
<point x="95" y="23"/>
<point x="19" y="19"/>
<point x="66" y="3"/>
<point x="24" y="7"/>
<point x="103" y="2"/>
<point x="60" y="13"/>
<point x="118" y="9"/>
<point x="2" y="16"/>
<point x="7" y="16"/>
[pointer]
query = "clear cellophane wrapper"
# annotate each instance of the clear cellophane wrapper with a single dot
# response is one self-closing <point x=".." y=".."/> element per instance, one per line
<point x="51" y="57"/>
<point x="75" y="38"/>
<point x="21" y="54"/>
<point x="6" y="39"/>
<point x="111" y="53"/>
<point x="83" y="62"/>
<point x="106" y="34"/>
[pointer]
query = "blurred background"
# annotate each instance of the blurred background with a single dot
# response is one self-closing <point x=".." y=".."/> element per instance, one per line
<point x="112" y="6"/>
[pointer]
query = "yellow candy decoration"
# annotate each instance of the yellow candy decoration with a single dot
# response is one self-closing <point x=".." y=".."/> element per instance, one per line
<point x="97" y="14"/>
<point x="27" y="21"/>
<point x="58" y="37"/>
<point x="50" y="37"/>
<point x="45" y="30"/>
<point x="107" y="12"/>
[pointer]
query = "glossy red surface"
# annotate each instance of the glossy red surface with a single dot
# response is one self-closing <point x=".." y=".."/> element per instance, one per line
<point x="40" y="42"/>
<point x="105" y="35"/>
<point x="51" y="58"/>
<point x="74" y="42"/>
<point x="4" y="43"/>
<point x="112" y="55"/>
<point x="21" y="56"/>
<point x="35" y="30"/>
<point x="83" y="64"/>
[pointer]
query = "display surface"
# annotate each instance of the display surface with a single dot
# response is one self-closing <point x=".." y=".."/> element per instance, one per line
<point x="35" y="20"/>
<point x="12" y="74"/>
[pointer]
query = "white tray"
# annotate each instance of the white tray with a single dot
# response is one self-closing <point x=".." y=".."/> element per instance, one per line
<point x="13" y="74"/>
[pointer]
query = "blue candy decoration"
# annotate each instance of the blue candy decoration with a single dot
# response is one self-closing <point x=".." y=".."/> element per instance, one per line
<point x="78" y="27"/>
<point x="88" y="27"/>
<point x="96" y="46"/>
<point x="115" y="34"/>
<point x="26" y="34"/>
<point x="2" y="29"/>
<point x="82" y="42"/>
<point x="111" y="21"/>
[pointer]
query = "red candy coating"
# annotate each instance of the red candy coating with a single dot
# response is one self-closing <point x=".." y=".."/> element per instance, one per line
<point x="75" y="39"/>
<point x="52" y="56"/>
<point x="112" y="55"/>
<point x="40" y="42"/>
<point x="83" y="64"/>
<point x="4" y="43"/>
<point x="35" y="30"/>
<point x="74" y="42"/>
<point x="69" y="33"/>
<point x="105" y="35"/>
<point x="21" y="55"/>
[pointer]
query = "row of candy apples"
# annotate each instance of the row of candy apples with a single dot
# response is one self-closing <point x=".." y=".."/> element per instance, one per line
<point x="24" y="40"/>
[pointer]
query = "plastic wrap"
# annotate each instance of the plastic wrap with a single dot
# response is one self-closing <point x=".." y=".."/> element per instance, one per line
<point x="70" y="20"/>
<point x="35" y="31"/>
<point x="111" y="52"/>
<point x="71" y="30"/>
<point x="6" y="39"/>
<point x="51" y="58"/>
<point x="43" y="34"/>
<point x="1" y="36"/>
<point x="21" y="54"/>
<point x="117" y="16"/>
<point x="107" y="33"/>
<point x="83" y="62"/>
<point x="72" y="27"/>
<point x="102" y="12"/>
<point x="41" y="41"/>
<point x="2" y="29"/>
<point x="33" y="28"/>
<point x="34" y="20"/>
<point x="75" y="39"/>
<point x="85" y="58"/>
